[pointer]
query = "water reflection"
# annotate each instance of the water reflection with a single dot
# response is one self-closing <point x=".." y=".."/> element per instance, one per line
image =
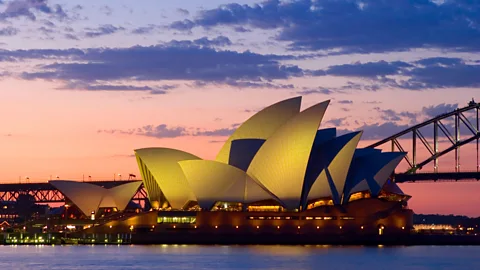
<point x="237" y="257"/>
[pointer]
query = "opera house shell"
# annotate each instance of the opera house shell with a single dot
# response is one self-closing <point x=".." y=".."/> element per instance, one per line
<point x="279" y="161"/>
<point x="277" y="174"/>
<point x="90" y="198"/>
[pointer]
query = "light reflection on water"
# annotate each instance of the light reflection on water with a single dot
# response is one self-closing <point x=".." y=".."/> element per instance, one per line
<point x="239" y="257"/>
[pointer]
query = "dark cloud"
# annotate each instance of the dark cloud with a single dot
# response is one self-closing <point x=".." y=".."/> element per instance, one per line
<point x="160" y="131"/>
<point x="157" y="90"/>
<point x="368" y="70"/>
<point x="436" y="110"/>
<point x="202" y="42"/>
<point x="41" y="54"/>
<point x="107" y="10"/>
<point x="71" y="36"/>
<point x="372" y="102"/>
<point x="457" y="75"/>
<point x="215" y="133"/>
<point x="355" y="26"/>
<point x="255" y="84"/>
<point x="241" y="29"/>
<point x="145" y="29"/>
<point x="390" y="115"/>
<point x="45" y="30"/>
<point x="345" y="101"/>
<point x="310" y="91"/>
<point x="164" y="131"/>
<point x="106" y="29"/>
<point x="423" y="74"/>
<point x="157" y="63"/>
<point x="49" y="24"/>
<point x="376" y="131"/>
<point x="361" y="86"/>
<point x="394" y="122"/>
<point x="439" y="61"/>
<point x="4" y="73"/>
<point x="337" y="122"/>
<point x="183" y="11"/>
<point x="200" y="62"/>
<point x="8" y="31"/>
<point x="31" y="8"/>
<point x="185" y="25"/>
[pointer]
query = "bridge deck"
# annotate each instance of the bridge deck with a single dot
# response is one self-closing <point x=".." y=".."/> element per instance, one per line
<point x="47" y="186"/>
<point x="46" y="193"/>
<point x="443" y="176"/>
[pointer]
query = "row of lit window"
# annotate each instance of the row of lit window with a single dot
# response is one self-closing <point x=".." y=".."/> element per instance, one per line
<point x="263" y="218"/>
<point x="187" y="220"/>
<point x="278" y="227"/>
<point x="297" y="218"/>
<point x="8" y="216"/>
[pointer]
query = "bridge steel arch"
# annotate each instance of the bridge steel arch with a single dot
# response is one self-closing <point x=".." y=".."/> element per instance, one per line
<point x="439" y="128"/>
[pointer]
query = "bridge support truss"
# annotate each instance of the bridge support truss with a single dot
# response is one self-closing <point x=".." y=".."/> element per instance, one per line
<point x="46" y="193"/>
<point x="466" y="118"/>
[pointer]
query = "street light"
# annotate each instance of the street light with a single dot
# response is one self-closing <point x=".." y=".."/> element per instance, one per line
<point x="27" y="178"/>
<point x="119" y="177"/>
<point x="66" y="210"/>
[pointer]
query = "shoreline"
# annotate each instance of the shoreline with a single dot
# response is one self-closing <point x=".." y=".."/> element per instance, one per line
<point x="264" y="239"/>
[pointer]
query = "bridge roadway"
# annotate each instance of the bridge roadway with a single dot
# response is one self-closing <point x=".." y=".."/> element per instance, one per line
<point x="44" y="192"/>
<point x="439" y="176"/>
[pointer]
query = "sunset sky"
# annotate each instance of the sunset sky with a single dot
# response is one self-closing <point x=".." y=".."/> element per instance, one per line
<point x="83" y="83"/>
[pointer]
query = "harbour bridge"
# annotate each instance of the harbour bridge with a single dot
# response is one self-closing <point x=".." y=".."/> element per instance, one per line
<point x="456" y="129"/>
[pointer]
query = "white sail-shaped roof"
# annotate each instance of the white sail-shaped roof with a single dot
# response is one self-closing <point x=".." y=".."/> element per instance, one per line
<point x="85" y="196"/>
<point x="262" y="124"/>
<point x="162" y="165"/>
<point x="123" y="194"/>
<point x="331" y="180"/>
<point x="385" y="172"/>
<point x="213" y="181"/>
<point x="89" y="197"/>
<point x="281" y="162"/>
<point x="371" y="172"/>
<point x="154" y="193"/>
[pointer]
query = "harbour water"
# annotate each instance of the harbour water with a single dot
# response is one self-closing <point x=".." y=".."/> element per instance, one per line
<point x="239" y="257"/>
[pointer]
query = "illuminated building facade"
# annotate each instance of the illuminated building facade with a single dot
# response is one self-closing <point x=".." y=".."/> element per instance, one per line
<point x="277" y="172"/>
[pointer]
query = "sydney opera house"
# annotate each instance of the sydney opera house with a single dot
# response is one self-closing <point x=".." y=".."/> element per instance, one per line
<point x="277" y="173"/>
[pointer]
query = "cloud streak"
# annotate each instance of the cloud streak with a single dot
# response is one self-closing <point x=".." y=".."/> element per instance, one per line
<point x="158" y="63"/>
<point x="30" y="9"/>
<point x="353" y="26"/>
<point x="164" y="131"/>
